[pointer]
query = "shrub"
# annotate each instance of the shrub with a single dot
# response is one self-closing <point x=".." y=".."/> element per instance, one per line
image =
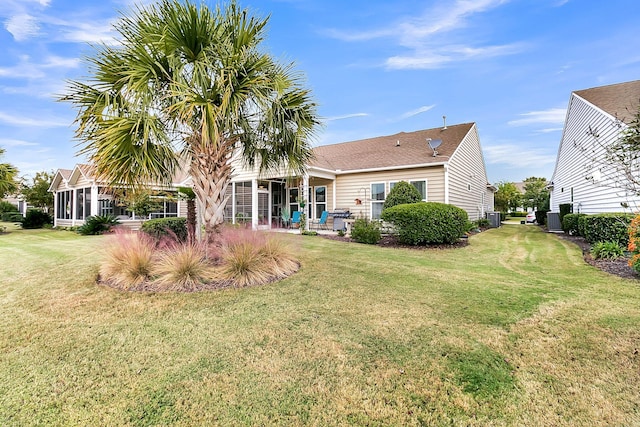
<point x="427" y="222"/>
<point x="251" y="258"/>
<point x="517" y="214"/>
<point x="166" y="227"/>
<point x="541" y="217"/>
<point x="402" y="193"/>
<point x="366" y="231"/>
<point x="565" y="208"/>
<point x="12" y="217"/>
<point x="129" y="259"/>
<point x="582" y="224"/>
<point x="98" y="224"/>
<point x="634" y="243"/>
<point x="36" y="219"/>
<point x="483" y="223"/>
<point x="7" y="207"/>
<point x="570" y="223"/>
<point x="606" y="250"/>
<point x="607" y="228"/>
<point x="181" y="266"/>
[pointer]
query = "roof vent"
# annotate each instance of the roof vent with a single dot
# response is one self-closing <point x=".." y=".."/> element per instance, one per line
<point x="398" y="143"/>
<point x="444" y="122"/>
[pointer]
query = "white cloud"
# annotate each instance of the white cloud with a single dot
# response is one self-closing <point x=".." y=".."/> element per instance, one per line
<point x="549" y="130"/>
<point x="46" y="122"/>
<point x="22" y="26"/>
<point x="346" y="116"/>
<point x="15" y="143"/>
<point x="416" y="111"/>
<point x="423" y="36"/>
<point x="504" y="154"/>
<point x="552" y="115"/>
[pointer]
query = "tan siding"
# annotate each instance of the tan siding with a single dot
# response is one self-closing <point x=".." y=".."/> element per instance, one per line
<point x="466" y="168"/>
<point x="352" y="186"/>
<point x="82" y="182"/>
<point x="573" y="164"/>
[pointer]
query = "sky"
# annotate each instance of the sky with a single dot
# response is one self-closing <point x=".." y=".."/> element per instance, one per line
<point x="375" y="67"/>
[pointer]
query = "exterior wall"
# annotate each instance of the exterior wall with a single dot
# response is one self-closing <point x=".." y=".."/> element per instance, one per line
<point x="350" y="187"/>
<point x="468" y="178"/>
<point x="573" y="165"/>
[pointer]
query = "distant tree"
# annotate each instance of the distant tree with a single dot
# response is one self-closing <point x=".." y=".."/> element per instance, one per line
<point x="401" y="193"/>
<point x="508" y="197"/>
<point x="536" y="194"/>
<point x="36" y="192"/>
<point x="8" y="174"/>
<point x="186" y="193"/>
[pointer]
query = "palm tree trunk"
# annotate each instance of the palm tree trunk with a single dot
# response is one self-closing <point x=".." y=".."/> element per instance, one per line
<point x="191" y="221"/>
<point x="211" y="174"/>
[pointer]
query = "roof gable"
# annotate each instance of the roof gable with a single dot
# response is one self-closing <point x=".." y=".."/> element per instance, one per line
<point x="391" y="151"/>
<point x="619" y="100"/>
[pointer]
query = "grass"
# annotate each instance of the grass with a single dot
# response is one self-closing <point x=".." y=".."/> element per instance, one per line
<point x="514" y="329"/>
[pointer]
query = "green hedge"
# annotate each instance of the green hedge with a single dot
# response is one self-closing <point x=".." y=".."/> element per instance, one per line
<point x="612" y="227"/>
<point x="427" y="222"/>
<point x="7" y="207"/>
<point x="12" y="217"/>
<point x="565" y="208"/>
<point x="36" y="219"/>
<point x="518" y="214"/>
<point x="541" y="217"/>
<point x="162" y="227"/>
<point x="402" y="193"/>
<point x="570" y="223"/>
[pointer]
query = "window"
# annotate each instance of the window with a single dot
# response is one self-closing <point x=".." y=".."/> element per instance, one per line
<point x="320" y="200"/>
<point x="293" y="200"/>
<point x="377" y="199"/>
<point x="421" y="186"/>
<point x="243" y="201"/>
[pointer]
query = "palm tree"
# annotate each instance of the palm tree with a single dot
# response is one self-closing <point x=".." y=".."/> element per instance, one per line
<point x="8" y="174"/>
<point x="191" y="85"/>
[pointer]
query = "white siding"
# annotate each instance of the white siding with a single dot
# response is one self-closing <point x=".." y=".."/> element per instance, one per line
<point x="468" y="178"/>
<point x="574" y="162"/>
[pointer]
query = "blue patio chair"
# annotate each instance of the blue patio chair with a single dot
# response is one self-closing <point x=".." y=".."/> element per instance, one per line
<point x="295" y="218"/>
<point x="322" y="222"/>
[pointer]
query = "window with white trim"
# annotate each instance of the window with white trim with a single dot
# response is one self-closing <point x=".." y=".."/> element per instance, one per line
<point x="419" y="184"/>
<point x="320" y="200"/>
<point x="377" y="199"/>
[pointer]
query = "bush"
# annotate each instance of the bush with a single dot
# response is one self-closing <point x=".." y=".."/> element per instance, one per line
<point x="606" y="250"/>
<point x="129" y="259"/>
<point x="634" y="243"/>
<point x="483" y="223"/>
<point x="518" y="214"/>
<point x="582" y="224"/>
<point x="427" y="222"/>
<point x="12" y="217"/>
<point x="36" y="219"/>
<point x="607" y="228"/>
<point x="565" y="208"/>
<point x="166" y="227"/>
<point x="98" y="224"/>
<point x="541" y="217"/>
<point x="7" y="207"/>
<point x="365" y="231"/>
<point x="570" y="223"/>
<point x="402" y="193"/>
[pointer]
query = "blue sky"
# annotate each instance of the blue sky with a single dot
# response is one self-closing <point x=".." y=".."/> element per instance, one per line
<point x="375" y="68"/>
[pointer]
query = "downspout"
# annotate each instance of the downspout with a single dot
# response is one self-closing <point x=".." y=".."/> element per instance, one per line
<point x="305" y="194"/>
<point x="446" y="183"/>
<point x="334" y="198"/>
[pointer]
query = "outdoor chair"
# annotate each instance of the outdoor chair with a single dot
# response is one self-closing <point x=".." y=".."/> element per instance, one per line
<point x="322" y="222"/>
<point x="295" y="218"/>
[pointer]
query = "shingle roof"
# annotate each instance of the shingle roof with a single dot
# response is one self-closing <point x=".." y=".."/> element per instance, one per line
<point x="66" y="173"/>
<point x="384" y="151"/>
<point x="620" y="100"/>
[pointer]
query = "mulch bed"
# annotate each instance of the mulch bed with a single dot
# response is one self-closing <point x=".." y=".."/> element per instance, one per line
<point x="389" y="241"/>
<point x="618" y="267"/>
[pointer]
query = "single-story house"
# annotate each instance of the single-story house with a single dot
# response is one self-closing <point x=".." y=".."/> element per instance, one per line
<point x="582" y="176"/>
<point x="445" y="164"/>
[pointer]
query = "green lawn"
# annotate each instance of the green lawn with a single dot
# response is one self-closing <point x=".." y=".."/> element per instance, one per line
<point x="514" y="329"/>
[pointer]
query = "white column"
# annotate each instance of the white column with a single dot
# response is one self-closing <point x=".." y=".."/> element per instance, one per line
<point x="269" y="220"/>
<point x="305" y="196"/>
<point x="55" y="208"/>
<point x="94" y="200"/>
<point x="233" y="202"/>
<point x="74" y="208"/>
<point x="334" y="196"/>
<point x="254" y="204"/>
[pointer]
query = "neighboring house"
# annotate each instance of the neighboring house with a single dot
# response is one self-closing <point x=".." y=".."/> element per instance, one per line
<point x="595" y="118"/>
<point x="18" y="202"/>
<point x="354" y="176"/>
<point x="520" y="186"/>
